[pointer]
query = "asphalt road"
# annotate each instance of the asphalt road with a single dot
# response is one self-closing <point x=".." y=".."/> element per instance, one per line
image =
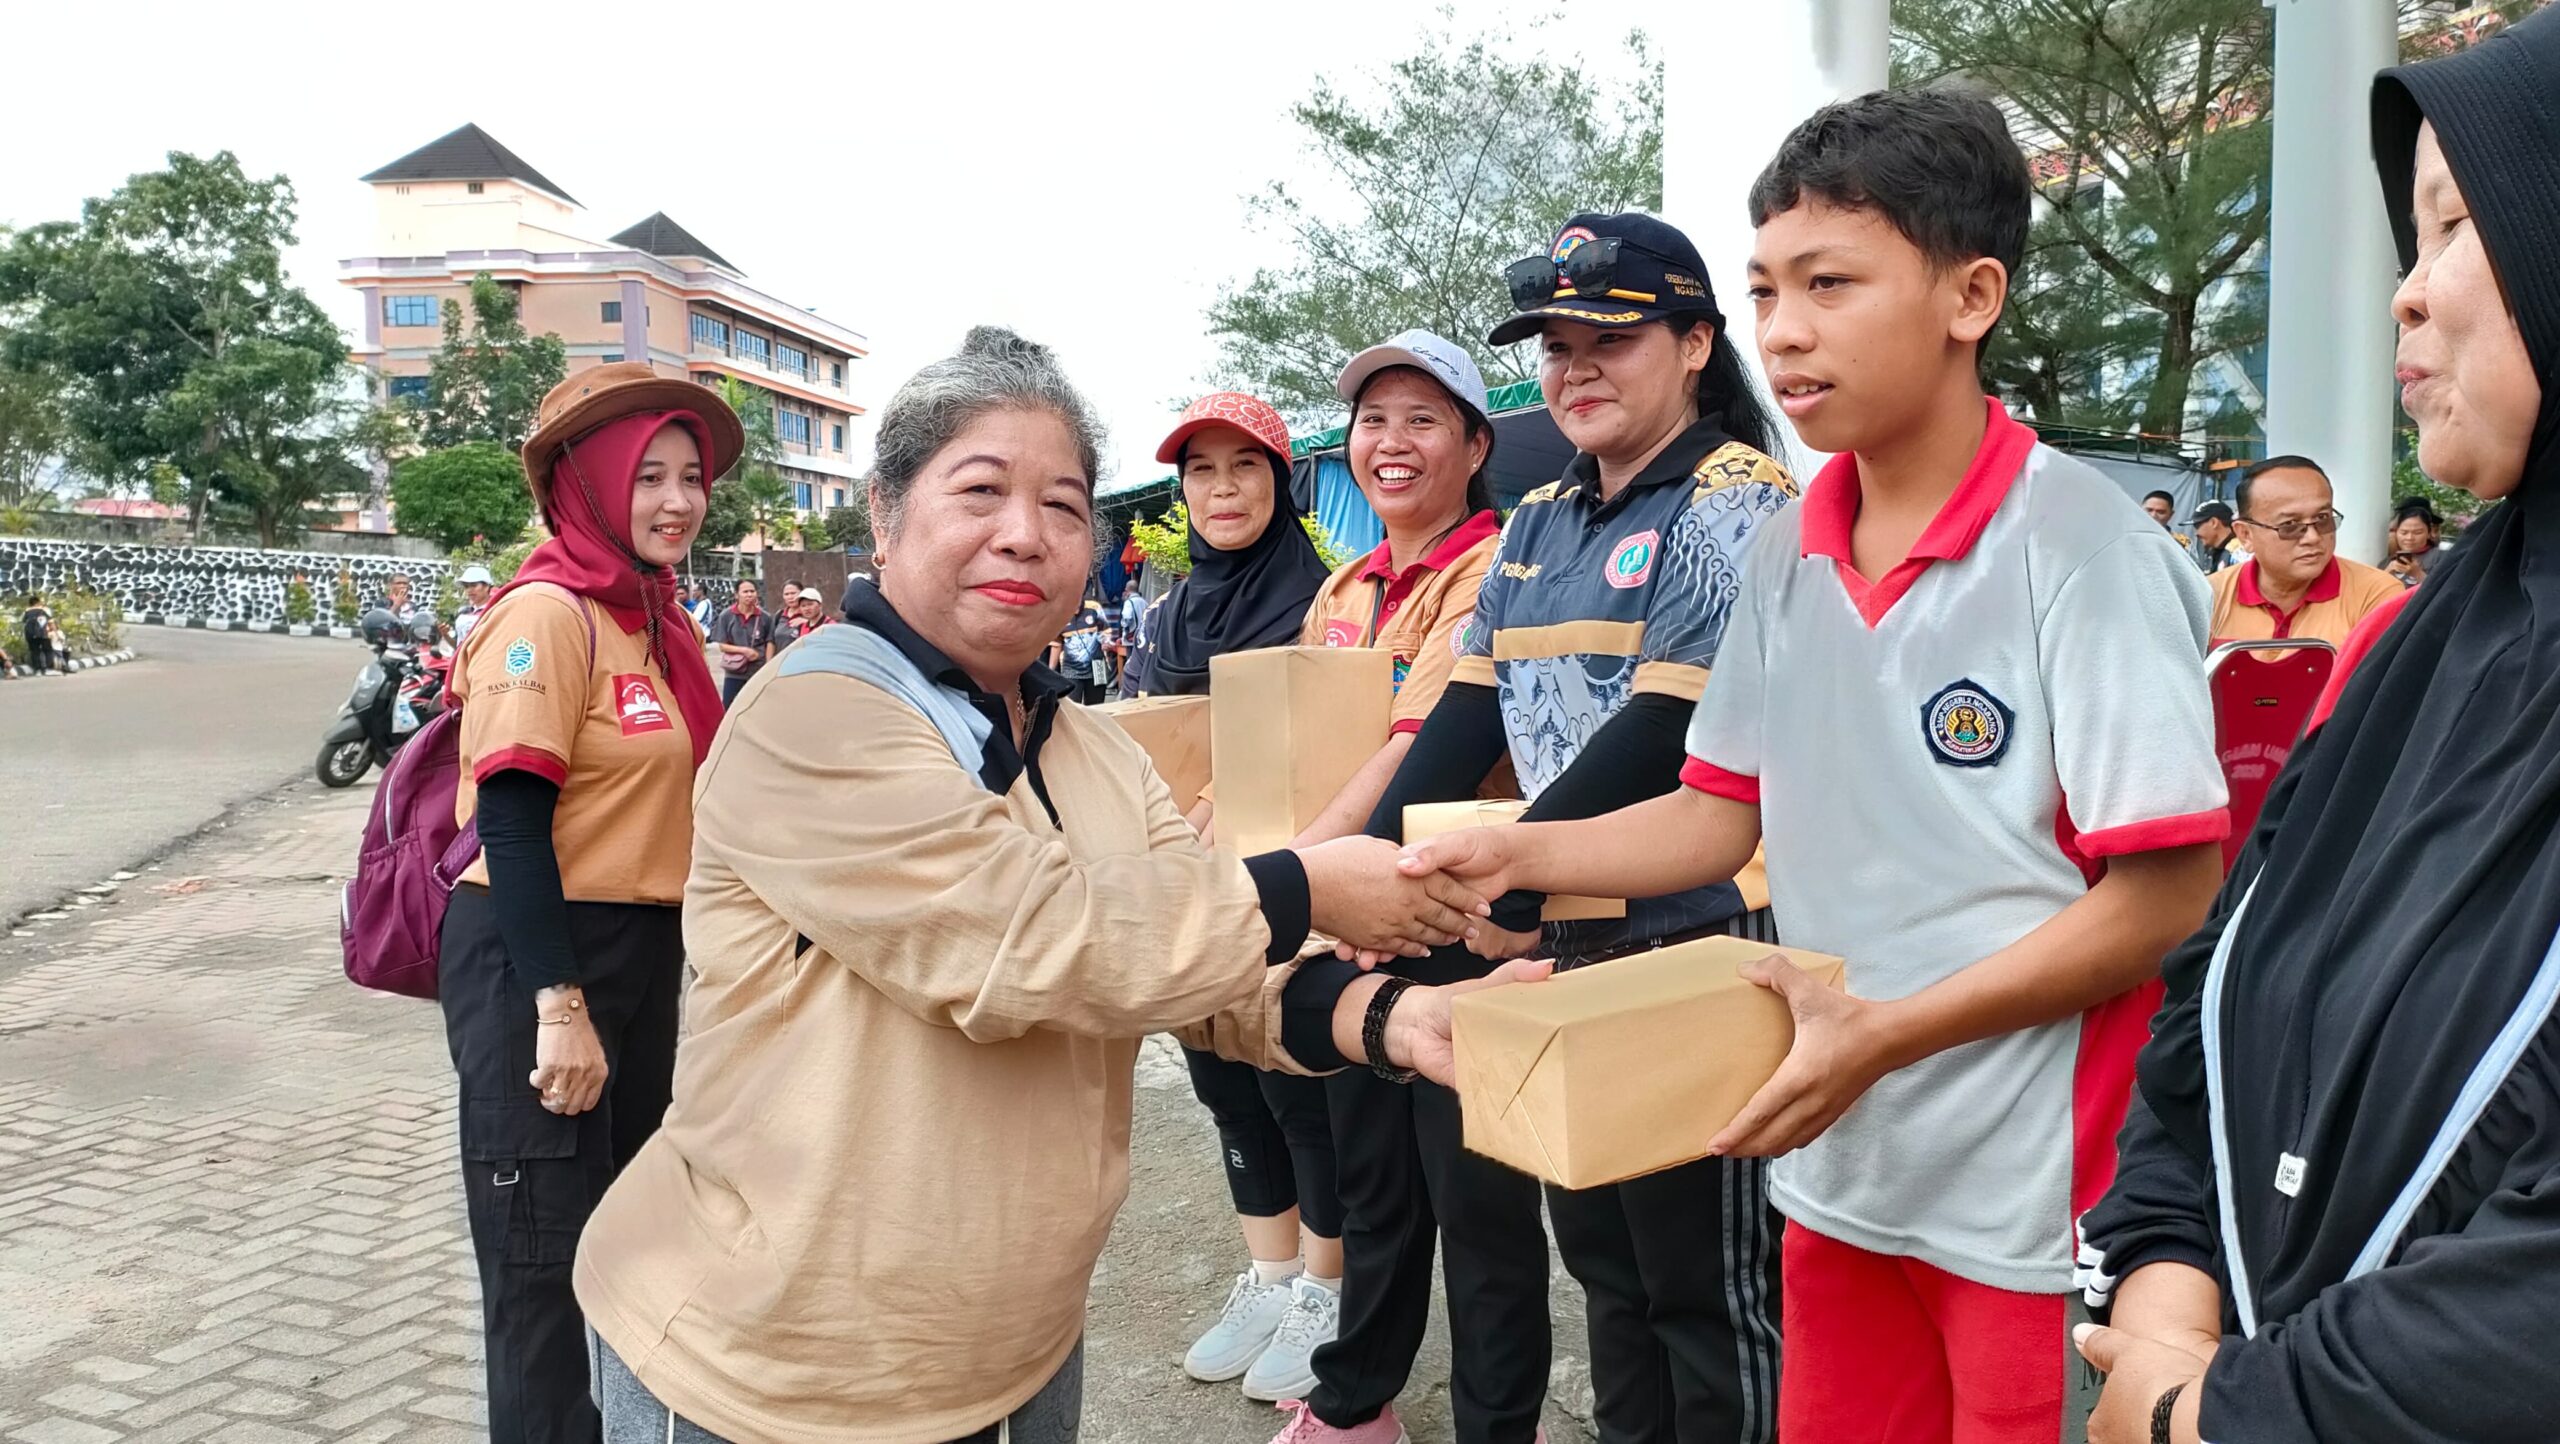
<point x="104" y="768"/>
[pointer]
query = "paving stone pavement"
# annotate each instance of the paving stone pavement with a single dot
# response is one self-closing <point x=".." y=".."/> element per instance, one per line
<point x="228" y="1204"/>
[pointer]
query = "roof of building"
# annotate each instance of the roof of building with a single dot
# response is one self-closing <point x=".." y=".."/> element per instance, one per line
<point x="468" y="153"/>
<point x="660" y="236"/>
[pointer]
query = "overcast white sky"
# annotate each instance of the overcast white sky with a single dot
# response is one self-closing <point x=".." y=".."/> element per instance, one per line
<point x="1076" y="172"/>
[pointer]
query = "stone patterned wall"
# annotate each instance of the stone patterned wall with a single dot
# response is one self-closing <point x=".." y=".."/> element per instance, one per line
<point x="236" y="582"/>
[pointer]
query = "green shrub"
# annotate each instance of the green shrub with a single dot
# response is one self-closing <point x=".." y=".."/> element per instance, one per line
<point x="91" y="621"/>
<point x="298" y="606"/>
<point x="344" y="605"/>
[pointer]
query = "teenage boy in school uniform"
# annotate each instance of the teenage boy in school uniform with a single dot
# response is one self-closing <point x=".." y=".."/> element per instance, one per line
<point x="1962" y="695"/>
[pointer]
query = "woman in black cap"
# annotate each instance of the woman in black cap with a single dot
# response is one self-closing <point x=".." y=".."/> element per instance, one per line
<point x="2415" y="530"/>
<point x="2338" y="1211"/>
<point x="1605" y="604"/>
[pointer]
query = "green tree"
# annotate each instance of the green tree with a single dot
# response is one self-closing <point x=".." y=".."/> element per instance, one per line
<point x="165" y="314"/>
<point x="753" y="497"/>
<point x="1458" y="161"/>
<point x="31" y="433"/>
<point x="486" y="385"/>
<point x="2144" y="122"/>
<point x="461" y="495"/>
<point x="848" y="526"/>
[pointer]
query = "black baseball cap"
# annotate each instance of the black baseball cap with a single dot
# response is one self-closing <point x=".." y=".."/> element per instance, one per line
<point x="1659" y="274"/>
<point x="2213" y="511"/>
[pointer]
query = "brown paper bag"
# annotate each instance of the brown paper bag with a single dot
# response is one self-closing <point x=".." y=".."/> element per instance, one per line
<point x="1174" y="731"/>
<point x="1625" y="1067"/>
<point x="1430" y="819"/>
<point x="1287" y="727"/>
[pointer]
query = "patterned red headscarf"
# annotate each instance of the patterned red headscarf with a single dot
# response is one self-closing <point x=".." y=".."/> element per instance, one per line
<point x="590" y="553"/>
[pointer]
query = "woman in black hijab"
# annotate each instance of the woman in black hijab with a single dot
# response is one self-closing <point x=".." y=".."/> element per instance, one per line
<point x="1253" y="571"/>
<point x="2338" y="1211"/>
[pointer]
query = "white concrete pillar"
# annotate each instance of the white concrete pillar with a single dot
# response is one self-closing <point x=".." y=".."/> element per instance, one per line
<point x="1736" y="78"/>
<point x="2330" y="263"/>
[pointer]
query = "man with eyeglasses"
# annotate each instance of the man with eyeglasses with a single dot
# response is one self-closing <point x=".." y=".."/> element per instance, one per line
<point x="2294" y="584"/>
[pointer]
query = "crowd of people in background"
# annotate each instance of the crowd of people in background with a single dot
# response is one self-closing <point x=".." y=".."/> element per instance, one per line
<point x="1939" y="710"/>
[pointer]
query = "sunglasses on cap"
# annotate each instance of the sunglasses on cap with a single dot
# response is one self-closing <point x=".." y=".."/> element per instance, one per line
<point x="1589" y="270"/>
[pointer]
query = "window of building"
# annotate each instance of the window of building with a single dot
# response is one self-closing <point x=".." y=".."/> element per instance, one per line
<point x="710" y="332"/>
<point x="755" y="348"/>
<point x="835" y="496"/>
<point x="835" y="372"/>
<point x="473" y="188"/>
<point x="800" y="495"/>
<point x="793" y="427"/>
<point x="612" y="356"/>
<point x="707" y="378"/>
<point x="791" y="359"/>
<point x="409" y="389"/>
<point x="410" y="311"/>
<point x="612" y="312"/>
<point x="836" y="437"/>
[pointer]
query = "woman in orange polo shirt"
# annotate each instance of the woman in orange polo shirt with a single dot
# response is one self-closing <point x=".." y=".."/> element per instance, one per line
<point x="1418" y="442"/>
<point x="586" y="707"/>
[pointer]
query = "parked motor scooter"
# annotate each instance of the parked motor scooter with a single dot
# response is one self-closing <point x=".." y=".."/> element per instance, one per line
<point x="395" y="695"/>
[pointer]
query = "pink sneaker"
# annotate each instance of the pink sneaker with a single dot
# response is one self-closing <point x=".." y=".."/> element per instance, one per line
<point x="1305" y="1428"/>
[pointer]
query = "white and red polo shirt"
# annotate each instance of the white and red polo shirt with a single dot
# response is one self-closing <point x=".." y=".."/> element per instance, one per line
<point x="1944" y="758"/>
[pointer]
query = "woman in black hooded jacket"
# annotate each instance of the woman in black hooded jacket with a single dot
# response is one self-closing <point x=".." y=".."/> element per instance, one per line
<point x="2338" y="1210"/>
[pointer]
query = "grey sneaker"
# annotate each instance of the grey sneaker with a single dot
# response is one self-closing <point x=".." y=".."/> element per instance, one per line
<point x="1287" y="1369"/>
<point x="1245" y="1325"/>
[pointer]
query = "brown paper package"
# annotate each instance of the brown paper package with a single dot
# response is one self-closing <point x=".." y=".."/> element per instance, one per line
<point x="1174" y="732"/>
<point x="1287" y="727"/>
<point x="1430" y="819"/>
<point x="1625" y="1067"/>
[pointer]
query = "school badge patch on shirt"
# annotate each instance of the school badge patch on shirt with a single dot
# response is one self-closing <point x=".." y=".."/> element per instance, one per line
<point x="636" y="705"/>
<point x="519" y="657"/>
<point x="1967" y="726"/>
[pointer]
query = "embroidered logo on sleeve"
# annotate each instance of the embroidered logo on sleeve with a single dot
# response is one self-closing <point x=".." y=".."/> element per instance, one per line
<point x="636" y="705"/>
<point x="519" y="657"/>
<point x="1458" y="635"/>
<point x="1966" y="725"/>
<point x="1632" y="562"/>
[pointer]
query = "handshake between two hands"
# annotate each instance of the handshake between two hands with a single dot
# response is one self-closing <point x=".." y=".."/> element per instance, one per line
<point x="1380" y="902"/>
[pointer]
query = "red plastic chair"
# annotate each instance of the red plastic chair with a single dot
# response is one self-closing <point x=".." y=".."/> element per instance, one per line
<point x="2260" y="703"/>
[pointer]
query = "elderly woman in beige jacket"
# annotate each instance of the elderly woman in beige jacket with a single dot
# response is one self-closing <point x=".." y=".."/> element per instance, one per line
<point x="932" y="910"/>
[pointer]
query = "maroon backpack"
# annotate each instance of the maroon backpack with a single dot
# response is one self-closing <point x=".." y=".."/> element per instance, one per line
<point x="391" y="914"/>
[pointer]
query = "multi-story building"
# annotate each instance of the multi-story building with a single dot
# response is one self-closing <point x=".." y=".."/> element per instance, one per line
<point x="464" y="204"/>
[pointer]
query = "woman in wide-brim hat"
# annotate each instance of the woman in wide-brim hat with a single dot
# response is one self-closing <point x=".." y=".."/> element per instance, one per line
<point x="586" y="707"/>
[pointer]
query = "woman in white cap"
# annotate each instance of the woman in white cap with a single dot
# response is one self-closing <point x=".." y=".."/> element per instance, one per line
<point x="1418" y="441"/>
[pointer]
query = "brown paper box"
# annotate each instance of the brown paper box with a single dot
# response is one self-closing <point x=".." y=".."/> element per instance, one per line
<point x="1287" y="727"/>
<point x="1625" y="1067"/>
<point x="1430" y="819"/>
<point x="1174" y="731"/>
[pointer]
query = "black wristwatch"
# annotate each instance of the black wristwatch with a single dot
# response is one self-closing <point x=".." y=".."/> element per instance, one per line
<point x="2161" y="1412"/>
<point x="1373" y="1029"/>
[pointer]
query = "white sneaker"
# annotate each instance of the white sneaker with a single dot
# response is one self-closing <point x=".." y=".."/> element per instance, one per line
<point x="1287" y="1369"/>
<point x="1251" y="1315"/>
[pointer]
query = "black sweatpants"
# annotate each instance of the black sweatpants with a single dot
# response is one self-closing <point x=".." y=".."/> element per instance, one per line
<point x="1275" y="1139"/>
<point x="1679" y="1272"/>
<point x="531" y="1177"/>
<point x="1406" y="1183"/>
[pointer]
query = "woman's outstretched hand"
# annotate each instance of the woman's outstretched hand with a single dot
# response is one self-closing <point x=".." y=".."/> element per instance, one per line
<point x="1357" y="893"/>
<point x="1418" y="1030"/>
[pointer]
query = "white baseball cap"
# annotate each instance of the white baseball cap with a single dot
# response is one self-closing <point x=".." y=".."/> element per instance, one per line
<point x="477" y="573"/>
<point x="1443" y="360"/>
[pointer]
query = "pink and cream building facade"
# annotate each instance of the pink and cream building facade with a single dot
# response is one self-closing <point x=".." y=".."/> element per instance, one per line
<point x="464" y="204"/>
